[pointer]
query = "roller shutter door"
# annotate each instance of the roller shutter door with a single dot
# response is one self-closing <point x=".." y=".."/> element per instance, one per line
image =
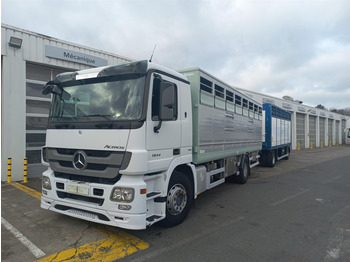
<point x="300" y="121"/>
<point x="312" y="130"/>
<point x="322" y="131"/>
<point x="343" y="122"/>
<point x="337" y="123"/>
<point x="330" y="131"/>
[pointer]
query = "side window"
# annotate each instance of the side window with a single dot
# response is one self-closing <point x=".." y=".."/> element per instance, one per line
<point x="156" y="98"/>
<point x="245" y="107"/>
<point x="164" y="95"/>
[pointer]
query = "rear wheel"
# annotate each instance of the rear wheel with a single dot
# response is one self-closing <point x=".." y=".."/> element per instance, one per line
<point x="244" y="171"/>
<point x="179" y="200"/>
<point x="271" y="159"/>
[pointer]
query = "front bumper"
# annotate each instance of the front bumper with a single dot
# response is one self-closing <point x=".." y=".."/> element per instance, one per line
<point x="92" y="201"/>
<point x="127" y="221"/>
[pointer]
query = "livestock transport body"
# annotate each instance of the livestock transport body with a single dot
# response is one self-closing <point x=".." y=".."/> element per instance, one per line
<point x="276" y="140"/>
<point x="134" y="144"/>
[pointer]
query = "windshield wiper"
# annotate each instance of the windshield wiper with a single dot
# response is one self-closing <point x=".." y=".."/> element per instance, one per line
<point x="102" y="125"/>
<point x="65" y="125"/>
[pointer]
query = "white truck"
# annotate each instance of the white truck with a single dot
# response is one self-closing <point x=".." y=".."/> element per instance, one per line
<point x="133" y="144"/>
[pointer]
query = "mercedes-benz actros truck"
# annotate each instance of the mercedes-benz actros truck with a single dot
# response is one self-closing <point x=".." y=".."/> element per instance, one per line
<point x="133" y="144"/>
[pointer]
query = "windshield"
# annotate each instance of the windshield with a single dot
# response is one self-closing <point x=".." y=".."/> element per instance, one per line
<point x="103" y="101"/>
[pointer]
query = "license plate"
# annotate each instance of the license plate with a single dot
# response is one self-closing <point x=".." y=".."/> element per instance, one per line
<point x="78" y="190"/>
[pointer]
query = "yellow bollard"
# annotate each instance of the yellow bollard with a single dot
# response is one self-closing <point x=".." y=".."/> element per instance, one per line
<point x="311" y="145"/>
<point x="337" y="142"/>
<point x="321" y="143"/>
<point x="9" y="169"/>
<point x="25" y="172"/>
<point x="330" y="143"/>
<point x="298" y="145"/>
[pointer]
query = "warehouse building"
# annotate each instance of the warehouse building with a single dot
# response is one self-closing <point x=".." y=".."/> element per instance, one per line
<point x="29" y="60"/>
<point x="311" y="127"/>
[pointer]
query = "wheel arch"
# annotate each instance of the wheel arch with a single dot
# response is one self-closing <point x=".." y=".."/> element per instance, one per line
<point x="187" y="169"/>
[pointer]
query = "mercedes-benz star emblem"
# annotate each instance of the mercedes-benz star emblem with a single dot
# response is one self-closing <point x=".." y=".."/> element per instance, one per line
<point x="79" y="160"/>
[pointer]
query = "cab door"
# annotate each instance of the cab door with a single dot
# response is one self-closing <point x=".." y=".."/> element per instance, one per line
<point x="163" y="135"/>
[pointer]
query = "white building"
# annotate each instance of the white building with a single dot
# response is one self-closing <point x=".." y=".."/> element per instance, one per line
<point x="311" y="127"/>
<point x="28" y="61"/>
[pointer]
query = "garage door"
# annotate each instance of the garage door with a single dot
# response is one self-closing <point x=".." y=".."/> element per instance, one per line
<point x="337" y="123"/>
<point x="300" y="121"/>
<point x="312" y="130"/>
<point x="330" y="131"/>
<point x="343" y="122"/>
<point x="322" y="131"/>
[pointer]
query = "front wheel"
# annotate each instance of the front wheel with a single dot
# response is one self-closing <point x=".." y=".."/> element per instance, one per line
<point x="179" y="200"/>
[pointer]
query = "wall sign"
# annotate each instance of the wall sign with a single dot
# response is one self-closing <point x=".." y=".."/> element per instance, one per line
<point x="286" y="105"/>
<point x="268" y="101"/>
<point x="73" y="56"/>
<point x="301" y="109"/>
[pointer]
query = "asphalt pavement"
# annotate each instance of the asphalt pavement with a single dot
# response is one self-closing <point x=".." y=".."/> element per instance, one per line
<point x="297" y="211"/>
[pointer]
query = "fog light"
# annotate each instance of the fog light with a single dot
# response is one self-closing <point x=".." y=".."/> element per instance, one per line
<point x="120" y="194"/>
<point x="124" y="207"/>
<point x="44" y="192"/>
<point x="46" y="183"/>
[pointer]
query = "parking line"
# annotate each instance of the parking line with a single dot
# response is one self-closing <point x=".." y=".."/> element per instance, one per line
<point x="289" y="198"/>
<point x="116" y="245"/>
<point x="27" y="190"/>
<point x="332" y="179"/>
<point x="25" y="241"/>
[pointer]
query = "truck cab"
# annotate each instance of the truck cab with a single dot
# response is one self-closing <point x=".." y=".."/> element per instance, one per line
<point x="115" y="136"/>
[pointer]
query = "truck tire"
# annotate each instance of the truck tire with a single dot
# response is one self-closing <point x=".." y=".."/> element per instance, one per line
<point x="263" y="158"/>
<point x="179" y="200"/>
<point x="271" y="159"/>
<point x="244" y="171"/>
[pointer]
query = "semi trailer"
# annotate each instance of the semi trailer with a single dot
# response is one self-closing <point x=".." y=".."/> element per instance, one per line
<point x="134" y="144"/>
<point x="277" y="135"/>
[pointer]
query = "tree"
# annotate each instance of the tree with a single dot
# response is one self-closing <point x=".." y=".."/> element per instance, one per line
<point x="343" y="111"/>
<point x="321" y="107"/>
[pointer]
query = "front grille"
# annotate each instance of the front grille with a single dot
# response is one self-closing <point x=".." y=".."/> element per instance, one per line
<point x="99" y="163"/>
<point x="78" y="198"/>
<point x="98" y="180"/>
<point x="89" y="166"/>
<point x="95" y="153"/>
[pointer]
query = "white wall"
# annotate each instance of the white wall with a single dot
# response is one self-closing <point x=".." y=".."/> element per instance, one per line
<point x="13" y="87"/>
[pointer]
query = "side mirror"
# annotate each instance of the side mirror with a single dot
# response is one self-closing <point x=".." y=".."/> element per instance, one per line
<point x="50" y="87"/>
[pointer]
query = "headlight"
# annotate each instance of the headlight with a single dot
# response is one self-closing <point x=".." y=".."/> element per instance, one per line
<point x="46" y="183"/>
<point x="124" y="195"/>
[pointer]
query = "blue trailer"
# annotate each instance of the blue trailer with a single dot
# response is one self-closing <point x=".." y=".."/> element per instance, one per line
<point x="276" y="140"/>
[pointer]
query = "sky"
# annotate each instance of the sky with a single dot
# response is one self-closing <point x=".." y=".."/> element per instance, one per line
<point x="276" y="47"/>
